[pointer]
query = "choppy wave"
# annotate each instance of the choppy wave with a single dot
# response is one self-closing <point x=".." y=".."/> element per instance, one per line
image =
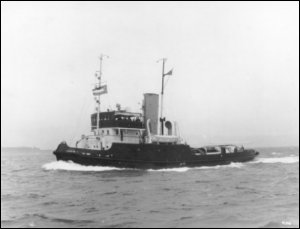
<point x="273" y="176"/>
<point x="290" y="159"/>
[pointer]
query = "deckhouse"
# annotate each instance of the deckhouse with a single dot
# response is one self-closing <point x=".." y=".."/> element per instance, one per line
<point x="122" y="126"/>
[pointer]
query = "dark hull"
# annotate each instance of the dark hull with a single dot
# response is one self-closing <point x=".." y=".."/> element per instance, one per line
<point x="148" y="156"/>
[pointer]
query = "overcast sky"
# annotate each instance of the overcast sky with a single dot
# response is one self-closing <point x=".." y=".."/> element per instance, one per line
<point x="235" y="78"/>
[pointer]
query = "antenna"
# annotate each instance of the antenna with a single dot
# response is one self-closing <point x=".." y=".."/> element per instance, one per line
<point x="100" y="72"/>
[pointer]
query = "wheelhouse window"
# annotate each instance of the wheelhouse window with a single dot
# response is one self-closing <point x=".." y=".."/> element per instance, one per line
<point x="118" y="119"/>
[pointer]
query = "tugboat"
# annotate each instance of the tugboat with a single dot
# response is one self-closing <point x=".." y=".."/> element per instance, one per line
<point x="146" y="140"/>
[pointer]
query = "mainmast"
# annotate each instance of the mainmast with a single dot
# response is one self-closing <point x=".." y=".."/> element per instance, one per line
<point x="98" y="91"/>
<point x="162" y="119"/>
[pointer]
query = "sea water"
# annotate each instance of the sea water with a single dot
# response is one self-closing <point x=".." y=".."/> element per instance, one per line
<point x="38" y="191"/>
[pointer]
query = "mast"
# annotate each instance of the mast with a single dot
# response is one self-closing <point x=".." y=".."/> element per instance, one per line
<point x="162" y="119"/>
<point x="98" y="86"/>
<point x="162" y="96"/>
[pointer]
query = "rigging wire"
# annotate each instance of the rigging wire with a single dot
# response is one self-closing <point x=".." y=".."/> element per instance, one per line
<point x="132" y="61"/>
<point x="82" y="113"/>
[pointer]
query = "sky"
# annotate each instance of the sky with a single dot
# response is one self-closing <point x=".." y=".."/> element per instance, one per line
<point x="235" y="77"/>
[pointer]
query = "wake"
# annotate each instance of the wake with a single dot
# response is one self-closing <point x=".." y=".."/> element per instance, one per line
<point x="286" y="160"/>
<point x="71" y="166"/>
<point x="185" y="169"/>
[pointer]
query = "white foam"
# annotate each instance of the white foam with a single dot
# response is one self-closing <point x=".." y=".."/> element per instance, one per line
<point x="231" y="165"/>
<point x="235" y="165"/>
<point x="180" y="170"/>
<point x="185" y="169"/>
<point x="71" y="166"/>
<point x="291" y="159"/>
<point x="287" y="223"/>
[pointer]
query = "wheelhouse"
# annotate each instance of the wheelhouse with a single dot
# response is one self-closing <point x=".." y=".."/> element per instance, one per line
<point x="120" y="119"/>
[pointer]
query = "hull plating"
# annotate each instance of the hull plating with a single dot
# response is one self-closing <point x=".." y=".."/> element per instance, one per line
<point x="148" y="156"/>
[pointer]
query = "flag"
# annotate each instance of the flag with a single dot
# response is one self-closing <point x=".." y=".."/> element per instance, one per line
<point x="169" y="72"/>
<point x="100" y="90"/>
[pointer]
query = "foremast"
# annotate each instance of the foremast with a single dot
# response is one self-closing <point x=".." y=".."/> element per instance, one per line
<point x="98" y="90"/>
